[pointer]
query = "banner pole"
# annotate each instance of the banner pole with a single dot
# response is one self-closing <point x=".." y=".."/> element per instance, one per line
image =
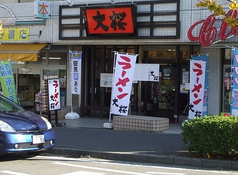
<point x="71" y="115"/>
<point x="71" y="105"/>
<point x="113" y="72"/>
<point x="109" y="124"/>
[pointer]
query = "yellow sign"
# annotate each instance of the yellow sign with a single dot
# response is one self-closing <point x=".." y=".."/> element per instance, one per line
<point x="15" y="34"/>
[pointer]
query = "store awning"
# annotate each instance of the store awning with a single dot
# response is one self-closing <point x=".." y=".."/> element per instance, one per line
<point x="20" y="52"/>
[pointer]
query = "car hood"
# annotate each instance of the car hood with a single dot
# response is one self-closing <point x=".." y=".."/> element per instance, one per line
<point x="24" y="121"/>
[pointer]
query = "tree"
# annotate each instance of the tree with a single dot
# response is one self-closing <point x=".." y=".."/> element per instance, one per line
<point x="218" y="10"/>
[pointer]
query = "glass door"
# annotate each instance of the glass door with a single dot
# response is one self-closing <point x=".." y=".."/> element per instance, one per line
<point x="226" y="96"/>
<point x="28" y="85"/>
<point x="183" y="97"/>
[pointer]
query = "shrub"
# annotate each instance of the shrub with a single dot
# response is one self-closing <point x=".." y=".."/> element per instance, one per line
<point x="212" y="136"/>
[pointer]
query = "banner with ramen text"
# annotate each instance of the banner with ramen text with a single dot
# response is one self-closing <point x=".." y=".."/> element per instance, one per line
<point x="122" y="83"/>
<point x="197" y="83"/>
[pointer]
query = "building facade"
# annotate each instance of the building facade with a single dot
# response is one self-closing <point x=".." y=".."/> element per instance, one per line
<point x="159" y="36"/>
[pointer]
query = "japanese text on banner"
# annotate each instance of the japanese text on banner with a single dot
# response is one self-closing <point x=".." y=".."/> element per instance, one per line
<point x="197" y="81"/>
<point x="54" y="94"/>
<point x="76" y="61"/>
<point x="7" y="81"/>
<point x="122" y="83"/>
<point x="206" y="85"/>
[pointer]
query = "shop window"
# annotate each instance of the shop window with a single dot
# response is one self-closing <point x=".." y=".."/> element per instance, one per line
<point x="184" y="54"/>
<point x="41" y="59"/>
<point x="62" y="77"/>
<point x="161" y="54"/>
<point x="196" y="50"/>
<point x="109" y="59"/>
<point x="227" y="80"/>
<point x="57" y="58"/>
<point x="53" y="58"/>
<point x="226" y="100"/>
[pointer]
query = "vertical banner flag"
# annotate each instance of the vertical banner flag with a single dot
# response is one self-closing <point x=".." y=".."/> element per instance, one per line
<point x="197" y="81"/>
<point x="54" y="94"/>
<point x="76" y="62"/>
<point x="234" y="98"/>
<point x="206" y="85"/>
<point x="7" y="81"/>
<point x="122" y="83"/>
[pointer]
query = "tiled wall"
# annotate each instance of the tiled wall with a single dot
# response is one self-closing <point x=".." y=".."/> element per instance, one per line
<point x="140" y="123"/>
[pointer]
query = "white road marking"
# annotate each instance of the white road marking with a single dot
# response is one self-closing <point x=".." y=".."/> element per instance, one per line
<point x="162" y="173"/>
<point x="202" y="171"/>
<point x="101" y="169"/>
<point x="12" y="172"/>
<point x="84" y="173"/>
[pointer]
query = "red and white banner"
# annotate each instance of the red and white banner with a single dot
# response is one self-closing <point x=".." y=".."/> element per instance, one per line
<point x="54" y="94"/>
<point x="122" y="83"/>
<point x="197" y="83"/>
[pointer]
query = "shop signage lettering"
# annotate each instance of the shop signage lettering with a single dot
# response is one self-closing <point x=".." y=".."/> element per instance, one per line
<point x="208" y="32"/>
<point x="16" y="34"/>
<point x="112" y="20"/>
<point x="42" y="9"/>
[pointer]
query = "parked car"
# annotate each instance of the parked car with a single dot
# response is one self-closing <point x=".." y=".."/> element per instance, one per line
<point x="23" y="131"/>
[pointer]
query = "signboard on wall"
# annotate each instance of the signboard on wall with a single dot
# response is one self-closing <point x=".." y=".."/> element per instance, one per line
<point x="106" y="80"/>
<point x="143" y="72"/>
<point x="147" y="72"/>
<point x="108" y="21"/>
<point x="9" y="34"/>
<point x="41" y="9"/>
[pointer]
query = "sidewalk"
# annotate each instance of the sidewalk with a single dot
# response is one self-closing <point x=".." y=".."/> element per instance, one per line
<point x="89" y="122"/>
<point x="87" y="137"/>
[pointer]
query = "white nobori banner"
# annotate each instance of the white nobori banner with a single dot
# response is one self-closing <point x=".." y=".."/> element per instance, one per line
<point x="197" y="83"/>
<point x="76" y="64"/>
<point x="122" y="83"/>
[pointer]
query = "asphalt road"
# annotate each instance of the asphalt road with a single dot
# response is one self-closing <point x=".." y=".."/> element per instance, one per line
<point x="146" y="147"/>
<point x="119" y="141"/>
<point x="48" y="165"/>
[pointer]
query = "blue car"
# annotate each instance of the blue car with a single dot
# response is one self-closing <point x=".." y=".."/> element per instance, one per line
<point x="23" y="131"/>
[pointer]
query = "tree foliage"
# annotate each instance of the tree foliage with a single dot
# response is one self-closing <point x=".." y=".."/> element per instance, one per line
<point x="218" y="10"/>
<point x="1" y="27"/>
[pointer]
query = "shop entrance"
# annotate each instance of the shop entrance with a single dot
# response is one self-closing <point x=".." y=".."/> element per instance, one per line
<point x="160" y="96"/>
<point x="28" y="84"/>
<point x="166" y="98"/>
<point x="169" y="97"/>
<point x="96" y="70"/>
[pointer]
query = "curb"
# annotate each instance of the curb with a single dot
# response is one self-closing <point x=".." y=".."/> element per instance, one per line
<point x="145" y="158"/>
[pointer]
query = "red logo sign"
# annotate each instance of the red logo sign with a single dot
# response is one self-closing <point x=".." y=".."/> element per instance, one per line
<point x="112" y="20"/>
<point x="208" y="32"/>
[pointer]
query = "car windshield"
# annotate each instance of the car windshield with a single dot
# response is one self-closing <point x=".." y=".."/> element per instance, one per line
<point x="7" y="105"/>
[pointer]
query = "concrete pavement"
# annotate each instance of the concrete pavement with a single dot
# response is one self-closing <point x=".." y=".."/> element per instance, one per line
<point x="87" y="137"/>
